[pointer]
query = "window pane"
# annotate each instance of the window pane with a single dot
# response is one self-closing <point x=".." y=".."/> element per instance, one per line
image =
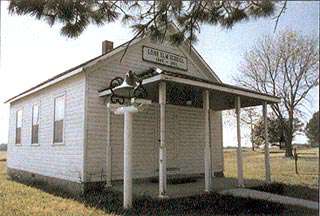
<point x="58" y="131"/>
<point x="35" y="115"/>
<point x="35" y="123"/>
<point x="59" y="108"/>
<point x="35" y="129"/>
<point x="19" y="119"/>
<point x="18" y="127"/>
<point x="18" y="135"/>
<point x="58" y="119"/>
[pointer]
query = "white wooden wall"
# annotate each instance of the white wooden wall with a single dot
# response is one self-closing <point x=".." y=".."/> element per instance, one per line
<point x="145" y="159"/>
<point x="63" y="161"/>
<point x="185" y="142"/>
<point x="145" y="137"/>
<point x="217" y="141"/>
<point x="84" y="150"/>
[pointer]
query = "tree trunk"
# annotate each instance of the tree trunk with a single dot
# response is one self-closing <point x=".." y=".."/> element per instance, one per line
<point x="252" y="142"/>
<point x="289" y="148"/>
<point x="281" y="145"/>
<point x="289" y="136"/>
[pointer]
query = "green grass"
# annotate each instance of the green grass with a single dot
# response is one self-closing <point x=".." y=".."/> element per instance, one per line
<point x="21" y="199"/>
<point x="282" y="169"/>
<point x="303" y="185"/>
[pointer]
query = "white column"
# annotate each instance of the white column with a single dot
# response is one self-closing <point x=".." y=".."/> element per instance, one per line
<point x="162" y="150"/>
<point x="207" y="148"/>
<point x="108" y="147"/>
<point x="266" y="147"/>
<point x="239" y="150"/>
<point x="127" y="160"/>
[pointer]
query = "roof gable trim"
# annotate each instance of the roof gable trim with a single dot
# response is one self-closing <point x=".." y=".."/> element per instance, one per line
<point x="44" y="85"/>
<point x="93" y="61"/>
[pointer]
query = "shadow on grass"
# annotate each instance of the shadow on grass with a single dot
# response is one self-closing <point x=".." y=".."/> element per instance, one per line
<point x="296" y="191"/>
<point x="274" y="152"/>
<point x="308" y="158"/>
<point x="110" y="202"/>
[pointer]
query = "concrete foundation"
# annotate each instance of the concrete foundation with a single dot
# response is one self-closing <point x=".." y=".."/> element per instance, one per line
<point x="52" y="183"/>
<point x="76" y="188"/>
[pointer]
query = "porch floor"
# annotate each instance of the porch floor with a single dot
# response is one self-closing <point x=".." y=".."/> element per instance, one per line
<point x="187" y="189"/>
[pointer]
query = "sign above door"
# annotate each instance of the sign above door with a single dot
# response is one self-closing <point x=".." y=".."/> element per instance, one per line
<point x="164" y="58"/>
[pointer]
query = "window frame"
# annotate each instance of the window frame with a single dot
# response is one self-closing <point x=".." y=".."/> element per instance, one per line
<point x="54" y="117"/>
<point x="33" y="105"/>
<point x="16" y="127"/>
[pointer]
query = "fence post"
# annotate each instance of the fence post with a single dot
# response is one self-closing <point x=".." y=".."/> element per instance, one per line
<point x="295" y="159"/>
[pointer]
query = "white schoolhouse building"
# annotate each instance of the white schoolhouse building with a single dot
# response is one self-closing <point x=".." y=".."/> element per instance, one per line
<point x="64" y="131"/>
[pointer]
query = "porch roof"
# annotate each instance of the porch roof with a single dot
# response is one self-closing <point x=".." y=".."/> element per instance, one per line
<point x="222" y="96"/>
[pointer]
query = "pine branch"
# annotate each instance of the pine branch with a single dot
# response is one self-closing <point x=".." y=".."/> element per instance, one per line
<point x="283" y="9"/>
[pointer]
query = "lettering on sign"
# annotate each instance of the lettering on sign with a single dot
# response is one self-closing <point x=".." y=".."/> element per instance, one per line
<point x="164" y="58"/>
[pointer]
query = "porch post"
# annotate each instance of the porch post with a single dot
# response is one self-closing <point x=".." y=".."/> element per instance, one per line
<point x="127" y="160"/>
<point x="239" y="150"/>
<point x="162" y="150"/>
<point x="108" y="147"/>
<point x="266" y="144"/>
<point x="207" y="148"/>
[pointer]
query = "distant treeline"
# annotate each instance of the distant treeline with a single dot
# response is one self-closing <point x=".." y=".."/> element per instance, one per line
<point x="3" y="147"/>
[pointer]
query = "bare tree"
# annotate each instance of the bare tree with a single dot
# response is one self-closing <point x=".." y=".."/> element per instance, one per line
<point x="274" y="131"/>
<point x="285" y="65"/>
<point x="250" y="116"/>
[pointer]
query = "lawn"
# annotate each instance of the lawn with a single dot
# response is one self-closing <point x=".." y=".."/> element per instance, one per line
<point x="282" y="169"/>
<point x="302" y="185"/>
<point x="21" y="199"/>
<point x="2" y="155"/>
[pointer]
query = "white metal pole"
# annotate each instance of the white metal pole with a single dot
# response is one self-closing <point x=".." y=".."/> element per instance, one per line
<point x="127" y="160"/>
<point x="266" y="147"/>
<point x="207" y="148"/>
<point x="239" y="150"/>
<point x="108" y="148"/>
<point x="162" y="149"/>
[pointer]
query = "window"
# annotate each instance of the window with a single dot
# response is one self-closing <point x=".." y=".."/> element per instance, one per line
<point x="184" y="96"/>
<point x="35" y="124"/>
<point x="58" y="119"/>
<point x="18" y="126"/>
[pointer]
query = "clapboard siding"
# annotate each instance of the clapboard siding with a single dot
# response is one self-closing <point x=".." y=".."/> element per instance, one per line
<point x="144" y="140"/>
<point x="82" y="157"/>
<point x="184" y="141"/>
<point x="146" y="123"/>
<point x="63" y="161"/>
<point x="216" y="141"/>
<point x="191" y="140"/>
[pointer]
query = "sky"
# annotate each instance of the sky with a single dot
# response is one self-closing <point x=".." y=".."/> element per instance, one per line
<point x="32" y="52"/>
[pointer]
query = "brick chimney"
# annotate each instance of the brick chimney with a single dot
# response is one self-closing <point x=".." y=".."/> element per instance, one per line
<point x="107" y="46"/>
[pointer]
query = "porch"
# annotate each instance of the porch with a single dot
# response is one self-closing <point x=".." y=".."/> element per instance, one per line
<point x="175" y="190"/>
<point x="165" y="87"/>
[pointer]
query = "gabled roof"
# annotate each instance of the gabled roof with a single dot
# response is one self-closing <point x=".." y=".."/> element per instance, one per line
<point x="77" y="69"/>
<point x="50" y="80"/>
<point x="64" y="74"/>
